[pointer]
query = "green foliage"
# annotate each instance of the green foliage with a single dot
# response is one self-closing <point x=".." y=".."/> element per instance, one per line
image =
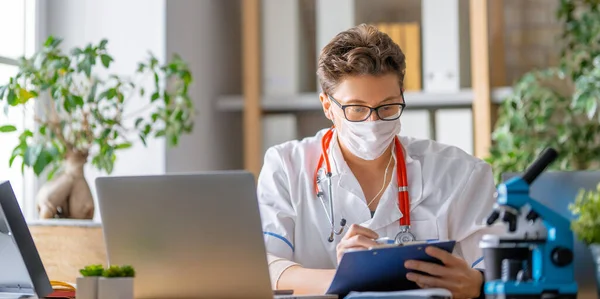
<point x="88" y="115"/>
<point x="556" y="107"/>
<point x="587" y="208"/>
<point x="581" y="54"/>
<point x="538" y="114"/>
<point x="112" y="271"/>
<point x="92" y="270"/>
<point x="119" y="271"/>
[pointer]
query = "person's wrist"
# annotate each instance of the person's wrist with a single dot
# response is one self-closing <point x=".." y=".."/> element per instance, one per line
<point x="476" y="288"/>
<point x="481" y="291"/>
<point x="326" y="279"/>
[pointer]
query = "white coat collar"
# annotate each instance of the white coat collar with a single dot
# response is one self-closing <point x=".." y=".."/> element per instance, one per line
<point x="388" y="211"/>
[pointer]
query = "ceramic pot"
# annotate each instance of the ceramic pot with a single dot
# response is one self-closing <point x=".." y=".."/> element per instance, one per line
<point x="115" y="288"/>
<point x="87" y="287"/>
<point x="595" y="250"/>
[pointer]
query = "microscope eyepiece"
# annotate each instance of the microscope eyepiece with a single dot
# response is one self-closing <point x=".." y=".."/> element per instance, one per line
<point x="539" y="165"/>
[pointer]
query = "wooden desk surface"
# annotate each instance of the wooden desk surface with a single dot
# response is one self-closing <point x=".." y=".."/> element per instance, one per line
<point x="66" y="249"/>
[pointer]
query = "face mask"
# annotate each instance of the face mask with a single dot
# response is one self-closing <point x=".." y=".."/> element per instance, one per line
<point x="368" y="139"/>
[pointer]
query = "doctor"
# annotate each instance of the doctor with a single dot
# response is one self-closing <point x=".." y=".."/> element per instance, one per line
<point x="448" y="194"/>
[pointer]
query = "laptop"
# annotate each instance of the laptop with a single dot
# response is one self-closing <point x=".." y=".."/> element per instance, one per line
<point x="187" y="235"/>
<point x="22" y="273"/>
<point x="556" y="190"/>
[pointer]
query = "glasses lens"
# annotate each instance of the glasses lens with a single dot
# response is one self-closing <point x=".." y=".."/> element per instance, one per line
<point x="357" y="113"/>
<point x="389" y="112"/>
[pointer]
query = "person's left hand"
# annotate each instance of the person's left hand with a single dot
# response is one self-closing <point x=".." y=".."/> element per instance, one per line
<point x="454" y="275"/>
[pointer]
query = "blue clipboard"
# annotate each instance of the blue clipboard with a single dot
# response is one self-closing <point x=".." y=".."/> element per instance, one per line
<point x="380" y="269"/>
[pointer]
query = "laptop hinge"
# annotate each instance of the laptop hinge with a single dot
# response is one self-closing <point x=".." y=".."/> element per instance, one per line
<point x="16" y="289"/>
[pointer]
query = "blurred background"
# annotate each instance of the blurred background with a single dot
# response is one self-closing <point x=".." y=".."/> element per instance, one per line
<point x="253" y="65"/>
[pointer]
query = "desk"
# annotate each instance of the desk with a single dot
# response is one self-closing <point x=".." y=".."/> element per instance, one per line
<point x="65" y="246"/>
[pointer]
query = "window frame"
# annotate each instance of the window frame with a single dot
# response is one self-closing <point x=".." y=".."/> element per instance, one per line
<point x="35" y="33"/>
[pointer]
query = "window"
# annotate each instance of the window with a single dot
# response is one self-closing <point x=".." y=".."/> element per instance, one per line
<point x="18" y="37"/>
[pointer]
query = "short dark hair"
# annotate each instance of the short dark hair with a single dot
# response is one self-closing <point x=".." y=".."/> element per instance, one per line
<point x="361" y="50"/>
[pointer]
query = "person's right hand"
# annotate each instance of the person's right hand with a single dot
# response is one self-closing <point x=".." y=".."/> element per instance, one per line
<point x="357" y="237"/>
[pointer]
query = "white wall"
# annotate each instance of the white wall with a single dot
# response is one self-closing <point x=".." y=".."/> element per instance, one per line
<point x="133" y="28"/>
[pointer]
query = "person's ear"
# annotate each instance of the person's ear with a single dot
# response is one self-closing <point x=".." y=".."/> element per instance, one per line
<point x="326" y="103"/>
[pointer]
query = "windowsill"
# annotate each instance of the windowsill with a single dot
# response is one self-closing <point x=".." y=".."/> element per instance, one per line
<point x="64" y="222"/>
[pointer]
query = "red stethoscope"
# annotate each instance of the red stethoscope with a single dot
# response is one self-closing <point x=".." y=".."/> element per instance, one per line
<point x="404" y="235"/>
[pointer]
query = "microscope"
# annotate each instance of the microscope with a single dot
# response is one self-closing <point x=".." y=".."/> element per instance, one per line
<point x="527" y="265"/>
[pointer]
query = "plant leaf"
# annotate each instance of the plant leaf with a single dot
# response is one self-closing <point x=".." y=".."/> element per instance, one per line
<point x="52" y="172"/>
<point x="2" y="91"/>
<point x="11" y="98"/>
<point x="160" y="133"/>
<point x="123" y="145"/>
<point x="24" y="96"/>
<point x="103" y="44"/>
<point x="91" y="96"/>
<point x="138" y="121"/>
<point x="143" y="139"/>
<point x="76" y="51"/>
<point x="7" y="128"/>
<point x="106" y="60"/>
<point x="77" y="100"/>
<point x="155" y="97"/>
<point x="44" y="159"/>
<point x="31" y="154"/>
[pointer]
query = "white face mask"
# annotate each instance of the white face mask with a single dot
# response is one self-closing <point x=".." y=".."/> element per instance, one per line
<point x="368" y="139"/>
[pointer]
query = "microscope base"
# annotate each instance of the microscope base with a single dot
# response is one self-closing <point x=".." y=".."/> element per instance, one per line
<point x="529" y="296"/>
<point x="529" y="290"/>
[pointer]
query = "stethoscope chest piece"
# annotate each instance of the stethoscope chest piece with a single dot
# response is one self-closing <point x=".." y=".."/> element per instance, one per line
<point x="404" y="236"/>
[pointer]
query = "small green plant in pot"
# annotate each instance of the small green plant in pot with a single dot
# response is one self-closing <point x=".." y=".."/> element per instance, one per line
<point x="85" y="114"/>
<point x="116" y="282"/>
<point x="586" y="226"/>
<point x="87" y="283"/>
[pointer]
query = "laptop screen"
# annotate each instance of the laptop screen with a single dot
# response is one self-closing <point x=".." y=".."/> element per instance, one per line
<point x="21" y="269"/>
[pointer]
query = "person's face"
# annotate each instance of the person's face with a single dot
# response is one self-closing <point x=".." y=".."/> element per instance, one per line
<point x="367" y="90"/>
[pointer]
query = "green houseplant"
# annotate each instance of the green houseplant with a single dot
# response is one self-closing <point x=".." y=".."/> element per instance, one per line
<point x="97" y="282"/>
<point x="87" y="283"/>
<point x="586" y="208"/>
<point x="586" y="226"/>
<point x="116" y="282"/>
<point x="85" y="114"/>
<point x="557" y="106"/>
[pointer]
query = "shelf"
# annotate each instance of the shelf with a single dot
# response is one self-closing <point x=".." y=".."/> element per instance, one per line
<point x="310" y="101"/>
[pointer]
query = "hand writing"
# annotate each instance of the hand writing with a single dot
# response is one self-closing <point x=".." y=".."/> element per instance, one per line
<point x="454" y="275"/>
<point x="358" y="237"/>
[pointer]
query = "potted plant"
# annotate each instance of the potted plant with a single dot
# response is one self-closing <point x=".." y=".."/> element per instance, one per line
<point x="558" y="106"/>
<point x="116" y="283"/>
<point x="83" y="114"/>
<point x="587" y="224"/>
<point x="87" y="284"/>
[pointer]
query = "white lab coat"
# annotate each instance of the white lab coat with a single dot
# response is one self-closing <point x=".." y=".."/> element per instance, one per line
<point x="451" y="194"/>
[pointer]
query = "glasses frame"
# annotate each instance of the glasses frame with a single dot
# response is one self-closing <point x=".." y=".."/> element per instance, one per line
<point x="371" y="109"/>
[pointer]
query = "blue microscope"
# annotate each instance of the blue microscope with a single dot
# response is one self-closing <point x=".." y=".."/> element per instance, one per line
<point x="527" y="265"/>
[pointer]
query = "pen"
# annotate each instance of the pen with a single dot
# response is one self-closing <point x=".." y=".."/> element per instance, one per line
<point x="385" y="240"/>
<point x="389" y="241"/>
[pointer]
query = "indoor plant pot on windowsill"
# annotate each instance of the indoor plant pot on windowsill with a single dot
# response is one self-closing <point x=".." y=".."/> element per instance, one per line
<point x="587" y="224"/>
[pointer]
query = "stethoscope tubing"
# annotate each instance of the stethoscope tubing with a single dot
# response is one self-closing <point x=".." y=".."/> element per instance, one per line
<point x="403" y="196"/>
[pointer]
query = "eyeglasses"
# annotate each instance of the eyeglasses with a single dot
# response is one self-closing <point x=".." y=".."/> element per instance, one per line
<point x="358" y="113"/>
